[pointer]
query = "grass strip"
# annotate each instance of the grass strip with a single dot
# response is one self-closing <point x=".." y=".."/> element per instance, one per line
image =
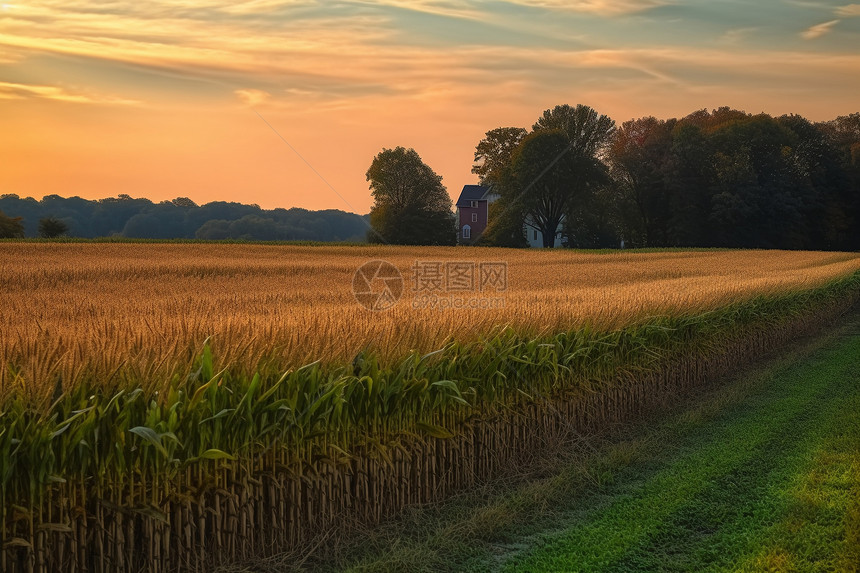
<point x="717" y="501"/>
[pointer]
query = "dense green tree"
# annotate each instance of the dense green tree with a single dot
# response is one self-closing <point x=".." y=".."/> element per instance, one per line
<point x="51" y="228"/>
<point x="588" y="220"/>
<point x="727" y="178"/>
<point x="10" y="227"/>
<point x="505" y="227"/>
<point x="588" y="132"/>
<point x="687" y="177"/>
<point x="594" y="221"/>
<point x="493" y="153"/>
<point x="113" y="213"/>
<point x="843" y="133"/>
<point x="547" y="177"/>
<point x="821" y="182"/>
<point x="709" y="121"/>
<point x="638" y="155"/>
<point x="184" y="202"/>
<point x="411" y="206"/>
<point x="757" y="201"/>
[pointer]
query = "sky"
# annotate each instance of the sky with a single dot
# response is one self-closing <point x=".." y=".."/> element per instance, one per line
<point x="284" y="103"/>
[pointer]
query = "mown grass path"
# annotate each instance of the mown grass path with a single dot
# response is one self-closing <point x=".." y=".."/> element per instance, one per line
<point x="759" y="474"/>
<point x="769" y="483"/>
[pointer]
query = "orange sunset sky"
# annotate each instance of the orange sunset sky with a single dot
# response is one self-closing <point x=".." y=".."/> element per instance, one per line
<point x="163" y="99"/>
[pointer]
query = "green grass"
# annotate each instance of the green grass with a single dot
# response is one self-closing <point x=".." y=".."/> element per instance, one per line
<point x="716" y="502"/>
<point x="762" y="474"/>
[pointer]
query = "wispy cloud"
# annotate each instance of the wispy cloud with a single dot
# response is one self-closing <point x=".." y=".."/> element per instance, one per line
<point x="848" y="10"/>
<point x="818" y="30"/>
<point x="295" y="53"/>
<point x="193" y="35"/>
<point x="10" y="90"/>
<point x="451" y="8"/>
<point x="600" y="7"/>
<point x="252" y="97"/>
<point x="736" y="35"/>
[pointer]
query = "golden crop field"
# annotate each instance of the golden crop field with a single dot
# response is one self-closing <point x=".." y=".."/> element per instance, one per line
<point x="143" y="311"/>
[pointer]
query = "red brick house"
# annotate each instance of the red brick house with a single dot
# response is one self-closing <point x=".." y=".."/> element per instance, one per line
<point x="473" y="212"/>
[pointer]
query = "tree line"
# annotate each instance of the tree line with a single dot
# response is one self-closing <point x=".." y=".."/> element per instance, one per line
<point x="181" y="218"/>
<point x="723" y="178"/>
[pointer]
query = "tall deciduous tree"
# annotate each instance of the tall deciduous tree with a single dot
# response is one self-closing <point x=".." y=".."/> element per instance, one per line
<point x="493" y="153"/>
<point x="11" y="227"/>
<point x="713" y="178"/>
<point x="638" y="155"/>
<point x="51" y="228"/>
<point x="589" y="132"/>
<point x="758" y="201"/>
<point x="411" y="205"/>
<point x="547" y="176"/>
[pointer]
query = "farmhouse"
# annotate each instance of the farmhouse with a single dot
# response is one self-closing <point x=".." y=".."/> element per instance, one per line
<point x="473" y="215"/>
<point x="473" y="212"/>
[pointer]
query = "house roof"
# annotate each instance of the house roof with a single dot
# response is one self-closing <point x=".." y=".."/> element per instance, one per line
<point x="471" y="193"/>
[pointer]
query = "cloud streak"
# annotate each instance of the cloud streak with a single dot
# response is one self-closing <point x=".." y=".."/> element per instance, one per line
<point x="298" y="54"/>
<point x="252" y="97"/>
<point x="599" y="7"/>
<point x="848" y="11"/>
<point x="819" y="30"/>
<point x="450" y="8"/>
<point x="736" y="35"/>
<point x="15" y="91"/>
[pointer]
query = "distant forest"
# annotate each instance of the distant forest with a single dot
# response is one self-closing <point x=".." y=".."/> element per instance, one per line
<point x="731" y="179"/>
<point x="182" y="218"/>
<point x="711" y="179"/>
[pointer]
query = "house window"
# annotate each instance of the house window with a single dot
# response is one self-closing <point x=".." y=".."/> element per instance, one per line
<point x="535" y="232"/>
<point x="467" y="232"/>
<point x="473" y="204"/>
<point x="474" y="217"/>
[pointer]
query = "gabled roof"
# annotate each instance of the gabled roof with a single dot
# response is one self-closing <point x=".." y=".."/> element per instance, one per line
<point x="471" y="193"/>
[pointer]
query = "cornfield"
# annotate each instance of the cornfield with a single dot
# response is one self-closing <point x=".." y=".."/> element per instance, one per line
<point x="140" y="312"/>
<point x="169" y="407"/>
